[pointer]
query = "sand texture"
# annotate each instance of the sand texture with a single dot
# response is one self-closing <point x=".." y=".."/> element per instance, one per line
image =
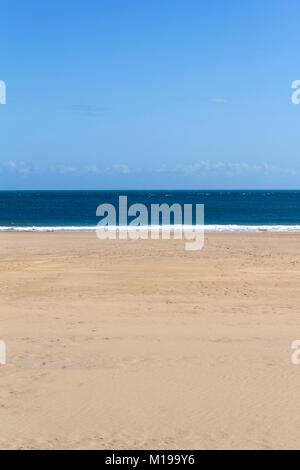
<point x="143" y="345"/>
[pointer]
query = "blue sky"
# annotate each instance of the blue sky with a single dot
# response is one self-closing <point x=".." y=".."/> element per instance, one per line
<point x="124" y="94"/>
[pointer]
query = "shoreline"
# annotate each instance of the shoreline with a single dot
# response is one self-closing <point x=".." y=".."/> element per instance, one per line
<point x="228" y="228"/>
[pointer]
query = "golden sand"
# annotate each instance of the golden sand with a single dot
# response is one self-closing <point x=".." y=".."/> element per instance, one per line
<point x="141" y="344"/>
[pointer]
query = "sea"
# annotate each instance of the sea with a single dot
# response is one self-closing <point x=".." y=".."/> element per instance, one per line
<point x="224" y="210"/>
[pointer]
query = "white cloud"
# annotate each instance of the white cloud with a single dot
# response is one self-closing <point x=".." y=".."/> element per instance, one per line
<point x="201" y="167"/>
<point x="18" y="167"/>
<point x="62" y="169"/>
<point x="219" y="100"/>
<point x="87" y="110"/>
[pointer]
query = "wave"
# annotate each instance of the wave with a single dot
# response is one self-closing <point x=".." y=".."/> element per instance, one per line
<point x="157" y="228"/>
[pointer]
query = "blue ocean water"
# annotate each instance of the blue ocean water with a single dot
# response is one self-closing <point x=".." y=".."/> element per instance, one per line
<point x="76" y="210"/>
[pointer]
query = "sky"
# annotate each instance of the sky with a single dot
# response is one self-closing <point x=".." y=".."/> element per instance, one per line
<point x="160" y="94"/>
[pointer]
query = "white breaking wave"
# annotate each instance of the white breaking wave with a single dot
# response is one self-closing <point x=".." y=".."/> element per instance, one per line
<point x="158" y="228"/>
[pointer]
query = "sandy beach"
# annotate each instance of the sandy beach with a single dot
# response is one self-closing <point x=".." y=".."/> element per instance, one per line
<point x="143" y="345"/>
